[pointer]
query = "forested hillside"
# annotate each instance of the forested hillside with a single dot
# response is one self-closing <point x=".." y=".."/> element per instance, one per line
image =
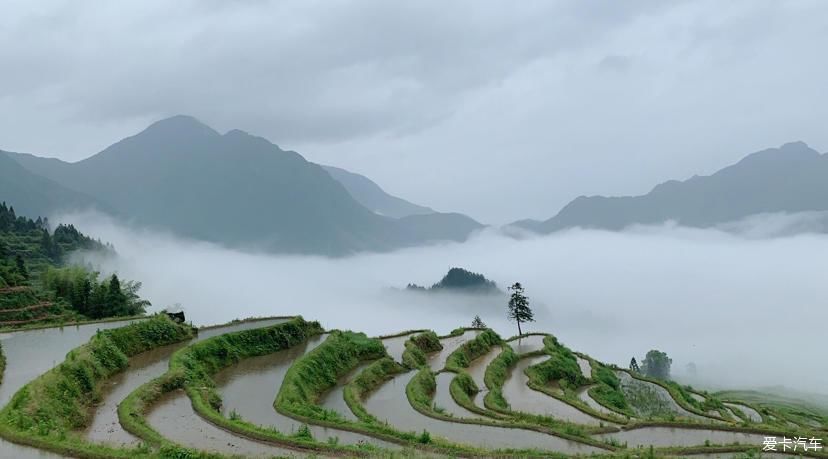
<point x="37" y="286"/>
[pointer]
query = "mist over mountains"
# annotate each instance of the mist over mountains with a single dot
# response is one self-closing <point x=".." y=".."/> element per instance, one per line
<point x="239" y="190"/>
<point x="243" y="191"/>
<point x="790" y="179"/>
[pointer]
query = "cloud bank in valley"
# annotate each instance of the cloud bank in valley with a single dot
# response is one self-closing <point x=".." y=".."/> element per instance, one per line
<point x="747" y="310"/>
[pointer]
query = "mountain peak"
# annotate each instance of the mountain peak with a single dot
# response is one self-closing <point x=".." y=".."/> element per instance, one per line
<point x="180" y="125"/>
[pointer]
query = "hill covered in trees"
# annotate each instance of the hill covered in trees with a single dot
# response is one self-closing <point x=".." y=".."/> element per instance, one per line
<point x="37" y="286"/>
<point x="460" y="280"/>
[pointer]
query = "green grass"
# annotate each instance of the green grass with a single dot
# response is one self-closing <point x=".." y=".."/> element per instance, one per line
<point x="416" y="348"/>
<point x="472" y="349"/>
<point x="495" y="377"/>
<point x="316" y="372"/>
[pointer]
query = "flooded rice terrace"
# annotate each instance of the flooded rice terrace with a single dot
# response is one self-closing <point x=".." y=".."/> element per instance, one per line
<point x="30" y="353"/>
<point x="249" y="388"/>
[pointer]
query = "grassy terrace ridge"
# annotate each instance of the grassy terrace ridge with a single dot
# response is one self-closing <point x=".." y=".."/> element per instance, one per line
<point x="420" y="392"/>
<point x="416" y="348"/>
<point x="562" y="366"/>
<point x="191" y="369"/>
<point x="318" y="371"/>
<point x="472" y="349"/>
<point x="46" y="412"/>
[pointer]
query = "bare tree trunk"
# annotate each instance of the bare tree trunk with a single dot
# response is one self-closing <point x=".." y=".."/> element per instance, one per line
<point x="519" y="332"/>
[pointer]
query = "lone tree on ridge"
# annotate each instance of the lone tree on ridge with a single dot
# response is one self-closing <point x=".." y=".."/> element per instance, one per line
<point x="519" y="309"/>
<point x="478" y="323"/>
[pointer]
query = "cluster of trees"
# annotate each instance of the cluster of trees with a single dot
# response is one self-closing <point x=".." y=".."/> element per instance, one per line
<point x="11" y="222"/>
<point x="459" y="279"/>
<point x="656" y="364"/>
<point x="13" y="271"/>
<point x="93" y="297"/>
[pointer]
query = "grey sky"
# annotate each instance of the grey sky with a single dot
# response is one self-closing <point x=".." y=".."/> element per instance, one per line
<point x="502" y="110"/>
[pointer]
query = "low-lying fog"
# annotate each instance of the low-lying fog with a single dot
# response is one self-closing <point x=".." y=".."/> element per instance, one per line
<point x="748" y="310"/>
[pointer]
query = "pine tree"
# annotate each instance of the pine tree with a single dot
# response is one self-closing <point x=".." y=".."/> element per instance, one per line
<point x="634" y="365"/>
<point x="478" y="323"/>
<point x="519" y="309"/>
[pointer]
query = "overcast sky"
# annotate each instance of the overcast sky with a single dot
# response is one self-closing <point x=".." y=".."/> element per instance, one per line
<point x="502" y="110"/>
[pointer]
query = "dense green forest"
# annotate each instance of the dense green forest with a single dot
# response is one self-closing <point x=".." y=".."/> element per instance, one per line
<point x="36" y="284"/>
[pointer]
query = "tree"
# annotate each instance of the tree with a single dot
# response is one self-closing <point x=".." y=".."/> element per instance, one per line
<point x="21" y="267"/>
<point x="634" y="366"/>
<point x="657" y="365"/>
<point x="519" y="309"/>
<point x="477" y="323"/>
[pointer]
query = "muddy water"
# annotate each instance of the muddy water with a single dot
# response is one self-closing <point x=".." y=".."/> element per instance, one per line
<point x="144" y="367"/>
<point x="396" y="345"/>
<point x="477" y="370"/>
<point x="526" y="344"/>
<point x="673" y="436"/>
<point x="585" y="366"/>
<point x="31" y="353"/>
<point x="522" y="398"/>
<point x="249" y="389"/>
<point x="444" y="401"/>
<point x="174" y="417"/>
<point x="389" y="403"/>
<point x="583" y="394"/>
<point x="751" y="414"/>
<point x="334" y="399"/>
<point x="437" y="360"/>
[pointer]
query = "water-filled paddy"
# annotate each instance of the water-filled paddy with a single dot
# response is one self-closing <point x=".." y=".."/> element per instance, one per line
<point x="444" y="401"/>
<point x="174" y="417"/>
<point x="477" y="370"/>
<point x="526" y="344"/>
<point x="248" y="390"/>
<point x="673" y="436"/>
<point x="144" y="367"/>
<point x="396" y="345"/>
<point x="437" y="360"/>
<point x="334" y="399"/>
<point x="522" y="398"/>
<point x="29" y="353"/>
<point x="389" y="403"/>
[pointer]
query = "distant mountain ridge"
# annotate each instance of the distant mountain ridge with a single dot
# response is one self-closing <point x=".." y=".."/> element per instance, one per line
<point x="791" y="178"/>
<point x="372" y="196"/>
<point x="34" y="195"/>
<point x="239" y="190"/>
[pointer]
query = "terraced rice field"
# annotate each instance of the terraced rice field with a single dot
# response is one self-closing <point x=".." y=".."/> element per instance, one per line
<point x="391" y="413"/>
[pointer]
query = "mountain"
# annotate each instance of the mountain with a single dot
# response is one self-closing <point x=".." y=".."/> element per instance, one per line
<point x="235" y="189"/>
<point x="33" y="195"/>
<point x="372" y="196"/>
<point x="791" y="178"/>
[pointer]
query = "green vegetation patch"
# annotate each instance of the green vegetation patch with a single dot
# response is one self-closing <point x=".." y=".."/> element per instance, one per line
<point x="561" y="366"/>
<point x="316" y="372"/>
<point x="416" y="348"/>
<point x="472" y="349"/>
<point x="607" y="390"/>
<point x="495" y="377"/>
